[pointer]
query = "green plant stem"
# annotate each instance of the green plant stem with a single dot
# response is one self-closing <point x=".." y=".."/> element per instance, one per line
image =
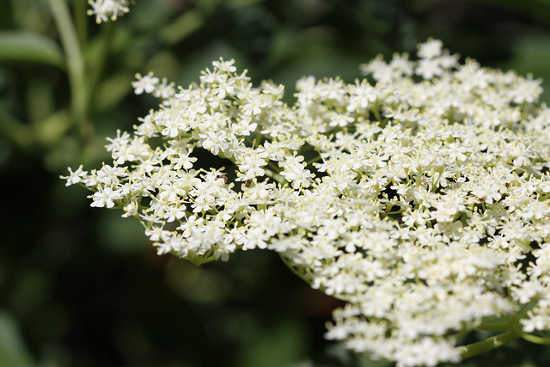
<point x="75" y="65"/>
<point x="488" y="344"/>
<point x="536" y="339"/>
<point x="81" y="20"/>
<point x="498" y="324"/>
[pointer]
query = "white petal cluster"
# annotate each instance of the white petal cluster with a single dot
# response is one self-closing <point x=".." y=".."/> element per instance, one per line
<point x="108" y="10"/>
<point x="419" y="195"/>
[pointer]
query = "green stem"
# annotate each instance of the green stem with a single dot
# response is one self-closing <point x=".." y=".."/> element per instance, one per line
<point x="81" y="20"/>
<point x="488" y="344"/>
<point x="75" y="63"/>
<point x="498" y="324"/>
<point x="536" y="339"/>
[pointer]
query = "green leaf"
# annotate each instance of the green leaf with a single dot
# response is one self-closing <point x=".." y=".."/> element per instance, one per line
<point x="29" y="47"/>
<point x="12" y="349"/>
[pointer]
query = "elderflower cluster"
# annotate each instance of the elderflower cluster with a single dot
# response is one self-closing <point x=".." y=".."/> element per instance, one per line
<point x="106" y="10"/>
<point x="419" y="195"/>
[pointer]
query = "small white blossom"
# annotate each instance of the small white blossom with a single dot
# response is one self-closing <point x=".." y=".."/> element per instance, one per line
<point x="75" y="177"/>
<point x="430" y="49"/>
<point x="105" y="10"/>
<point x="105" y="197"/>
<point x="145" y="83"/>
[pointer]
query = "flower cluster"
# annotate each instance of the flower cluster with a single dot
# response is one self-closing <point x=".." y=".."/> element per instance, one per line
<point x="419" y="195"/>
<point x="106" y="10"/>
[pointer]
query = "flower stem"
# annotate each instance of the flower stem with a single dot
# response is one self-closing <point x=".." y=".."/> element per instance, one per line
<point x="81" y="20"/>
<point x="488" y="344"/>
<point x="75" y="63"/>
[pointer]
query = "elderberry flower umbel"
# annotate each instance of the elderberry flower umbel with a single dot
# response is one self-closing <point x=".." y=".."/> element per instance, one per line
<point x="419" y="195"/>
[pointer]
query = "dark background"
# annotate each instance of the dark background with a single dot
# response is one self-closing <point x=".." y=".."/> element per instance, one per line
<point x="81" y="287"/>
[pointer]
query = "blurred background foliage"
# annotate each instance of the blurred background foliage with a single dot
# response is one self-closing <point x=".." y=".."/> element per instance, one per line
<point x="80" y="287"/>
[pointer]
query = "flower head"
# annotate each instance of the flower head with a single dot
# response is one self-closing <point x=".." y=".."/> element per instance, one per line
<point x="420" y="197"/>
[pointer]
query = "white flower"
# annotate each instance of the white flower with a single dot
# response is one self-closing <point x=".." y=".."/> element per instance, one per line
<point x="145" y="83"/>
<point x="361" y="96"/>
<point x="183" y="161"/>
<point x="428" y="68"/>
<point x="75" y="177"/>
<point x="430" y="49"/>
<point x="251" y="165"/>
<point x="105" y="197"/>
<point x="413" y="199"/>
<point x="294" y="171"/>
<point x="105" y="10"/>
